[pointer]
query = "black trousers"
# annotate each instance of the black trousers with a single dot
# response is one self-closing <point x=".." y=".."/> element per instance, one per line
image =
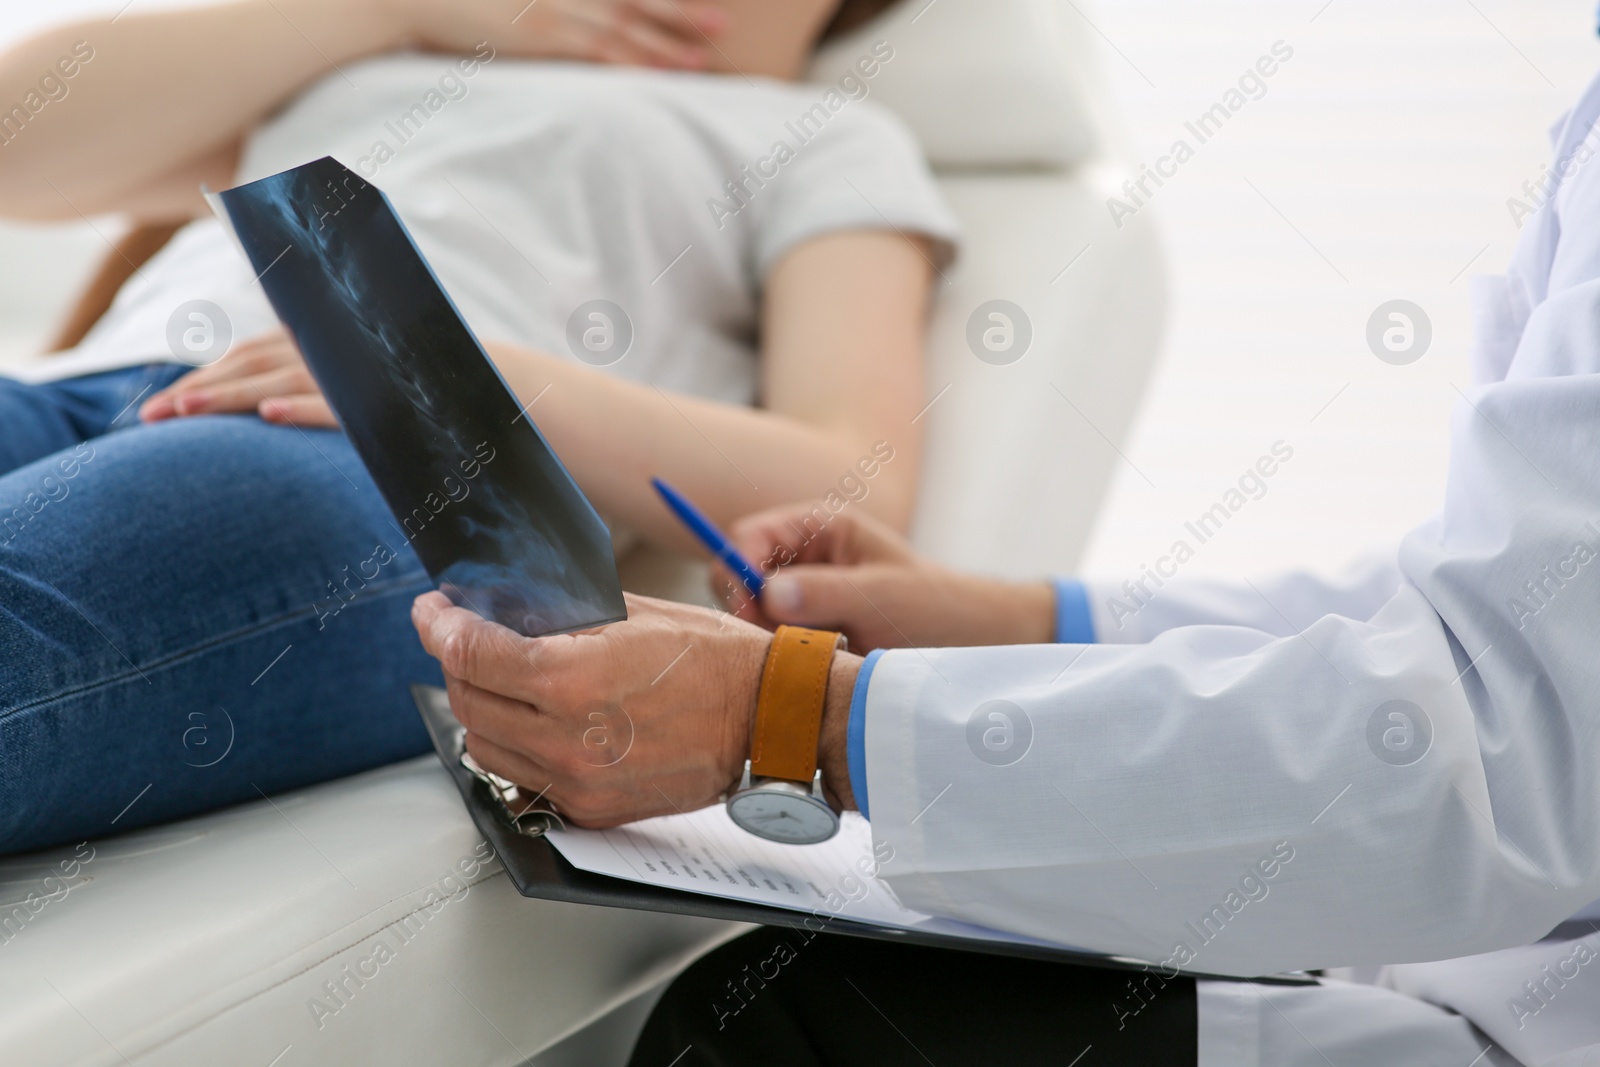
<point x="788" y="998"/>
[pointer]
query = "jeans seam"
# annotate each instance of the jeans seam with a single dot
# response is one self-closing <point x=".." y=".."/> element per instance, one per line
<point x="265" y="626"/>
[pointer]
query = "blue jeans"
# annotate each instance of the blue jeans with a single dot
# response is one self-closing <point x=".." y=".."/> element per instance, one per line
<point x="192" y="613"/>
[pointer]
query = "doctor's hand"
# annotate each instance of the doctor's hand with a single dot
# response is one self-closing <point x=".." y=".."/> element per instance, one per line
<point x="645" y="717"/>
<point x="265" y="375"/>
<point x="850" y="572"/>
<point x="674" y="34"/>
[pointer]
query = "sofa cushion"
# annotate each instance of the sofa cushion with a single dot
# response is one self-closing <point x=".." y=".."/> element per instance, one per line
<point x="982" y="83"/>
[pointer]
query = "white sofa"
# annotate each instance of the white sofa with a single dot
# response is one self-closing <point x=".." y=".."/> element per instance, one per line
<point x="213" y="941"/>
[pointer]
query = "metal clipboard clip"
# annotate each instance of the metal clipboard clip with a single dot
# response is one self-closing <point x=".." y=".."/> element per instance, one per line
<point x="519" y="809"/>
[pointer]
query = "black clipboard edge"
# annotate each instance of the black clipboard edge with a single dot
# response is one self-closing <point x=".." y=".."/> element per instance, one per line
<point x="538" y="870"/>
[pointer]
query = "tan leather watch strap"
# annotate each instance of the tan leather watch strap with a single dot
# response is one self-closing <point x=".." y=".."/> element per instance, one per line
<point x="794" y="688"/>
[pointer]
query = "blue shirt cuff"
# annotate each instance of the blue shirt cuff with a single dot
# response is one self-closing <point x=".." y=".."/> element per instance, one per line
<point x="1074" y="623"/>
<point x="856" y="733"/>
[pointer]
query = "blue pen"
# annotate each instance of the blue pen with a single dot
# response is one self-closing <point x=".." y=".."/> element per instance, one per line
<point x="706" y="532"/>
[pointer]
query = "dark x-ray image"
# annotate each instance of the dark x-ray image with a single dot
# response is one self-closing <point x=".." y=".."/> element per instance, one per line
<point x="474" y="487"/>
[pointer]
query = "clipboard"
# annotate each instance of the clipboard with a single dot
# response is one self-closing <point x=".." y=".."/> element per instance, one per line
<point x="515" y="830"/>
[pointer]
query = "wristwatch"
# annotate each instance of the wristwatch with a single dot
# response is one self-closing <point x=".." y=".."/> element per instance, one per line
<point x="780" y="796"/>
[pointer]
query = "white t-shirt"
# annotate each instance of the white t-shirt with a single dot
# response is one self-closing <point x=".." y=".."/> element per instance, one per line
<point x="534" y="188"/>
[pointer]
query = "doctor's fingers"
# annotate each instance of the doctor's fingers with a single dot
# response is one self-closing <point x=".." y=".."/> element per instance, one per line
<point x="527" y="773"/>
<point x="735" y="598"/>
<point x="864" y="601"/>
<point x="807" y="532"/>
<point x="486" y="654"/>
<point x="511" y="724"/>
<point x="584" y="792"/>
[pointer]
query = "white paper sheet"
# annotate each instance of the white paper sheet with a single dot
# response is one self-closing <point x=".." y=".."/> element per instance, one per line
<point x="704" y="852"/>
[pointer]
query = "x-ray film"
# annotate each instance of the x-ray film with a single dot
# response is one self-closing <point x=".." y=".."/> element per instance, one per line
<point x="474" y="487"/>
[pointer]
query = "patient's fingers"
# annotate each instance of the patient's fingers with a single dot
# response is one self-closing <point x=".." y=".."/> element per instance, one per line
<point x="244" y="394"/>
<point x="657" y="33"/>
<point x="665" y="48"/>
<point x="258" y="355"/>
<point x="307" y="410"/>
<point x="673" y="22"/>
<point x="689" y="19"/>
<point x="274" y="340"/>
<point x="240" y="363"/>
<point x="158" y="407"/>
<point x="254" y="356"/>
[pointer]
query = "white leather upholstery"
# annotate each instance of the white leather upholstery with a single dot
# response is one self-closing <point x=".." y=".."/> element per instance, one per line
<point x="209" y="942"/>
<point x="982" y="83"/>
<point x="1019" y="456"/>
<point x="203" y="943"/>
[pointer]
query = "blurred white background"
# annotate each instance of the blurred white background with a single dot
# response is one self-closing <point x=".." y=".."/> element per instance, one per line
<point x="1391" y="142"/>
<point x="1377" y="166"/>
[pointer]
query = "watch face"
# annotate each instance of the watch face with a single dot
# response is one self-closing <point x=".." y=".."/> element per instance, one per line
<point x="783" y="816"/>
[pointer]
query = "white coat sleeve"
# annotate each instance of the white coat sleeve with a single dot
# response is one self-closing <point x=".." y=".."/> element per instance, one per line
<point x="1280" y="604"/>
<point x="1413" y="783"/>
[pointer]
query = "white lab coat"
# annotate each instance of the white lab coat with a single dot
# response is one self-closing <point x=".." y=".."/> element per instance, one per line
<point x="1158" y="777"/>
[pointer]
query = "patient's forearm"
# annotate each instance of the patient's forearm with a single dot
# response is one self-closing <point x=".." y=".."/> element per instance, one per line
<point x="615" y="435"/>
<point x="160" y="90"/>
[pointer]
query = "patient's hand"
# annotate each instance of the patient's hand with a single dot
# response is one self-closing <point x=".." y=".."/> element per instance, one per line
<point x="850" y="572"/>
<point x="647" y="33"/>
<point x="266" y="375"/>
